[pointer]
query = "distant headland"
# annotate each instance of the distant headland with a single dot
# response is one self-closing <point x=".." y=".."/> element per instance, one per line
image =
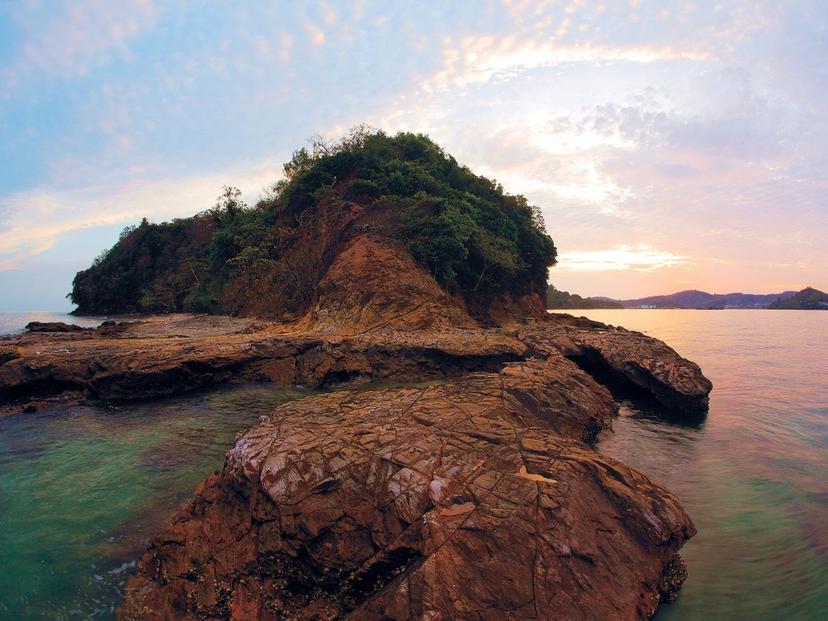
<point x="807" y="299"/>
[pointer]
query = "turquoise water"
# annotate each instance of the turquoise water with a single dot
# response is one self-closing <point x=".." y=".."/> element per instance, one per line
<point x="81" y="492"/>
<point x="754" y="475"/>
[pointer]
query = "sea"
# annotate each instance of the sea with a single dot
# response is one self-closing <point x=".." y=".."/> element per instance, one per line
<point x="15" y="323"/>
<point x="82" y="490"/>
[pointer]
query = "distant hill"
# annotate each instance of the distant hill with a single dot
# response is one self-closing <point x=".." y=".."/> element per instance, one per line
<point x="701" y="299"/>
<point x="564" y="299"/>
<point x="807" y="299"/>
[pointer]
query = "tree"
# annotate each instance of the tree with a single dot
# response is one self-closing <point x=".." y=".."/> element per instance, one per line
<point x="476" y="240"/>
<point x="229" y="201"/>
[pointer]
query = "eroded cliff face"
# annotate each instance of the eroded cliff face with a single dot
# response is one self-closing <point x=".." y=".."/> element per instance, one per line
<point x="463" y="489"/>
<point x="374" y="284"/>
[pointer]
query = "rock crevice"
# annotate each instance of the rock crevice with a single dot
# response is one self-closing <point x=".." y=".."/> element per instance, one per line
<point x="462" y="486"/>
<point x="467" y="499"/>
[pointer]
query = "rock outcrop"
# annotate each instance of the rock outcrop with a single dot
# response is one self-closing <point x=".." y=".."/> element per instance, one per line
<point x="354" y="297"/>
<point x="168" y="355"/>
<point x="53" y="326"/>
<point x="628" y="360"/>
<point x="468" y="490"/>
<point x="450" y="475"/>
<point x="460" y="500"/>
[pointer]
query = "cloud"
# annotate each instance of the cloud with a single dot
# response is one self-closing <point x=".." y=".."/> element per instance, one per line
<point x="639" y="258"/>
<point x="69" y="39"/>
<point x="478" y="59"/>
<point x="315" y="34"/>
<point x="285" y="46"/>
<point x="699" y="130"/>
<point x="33" y="222"/>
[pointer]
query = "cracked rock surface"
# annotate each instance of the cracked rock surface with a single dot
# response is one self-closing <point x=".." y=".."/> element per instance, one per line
<point x="466" y="491"/>
<point x="473" y="498"/>
<point x="164" y="355"/>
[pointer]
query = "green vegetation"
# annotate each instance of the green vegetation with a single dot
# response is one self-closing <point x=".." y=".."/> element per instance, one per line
<point x="564" y="299"/>
<point x="807" y="299"/>
<point x="476" y="240"/>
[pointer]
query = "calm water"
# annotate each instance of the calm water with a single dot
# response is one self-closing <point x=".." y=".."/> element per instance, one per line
<point x="82" y="491"/>
<point x="754" y="475"/>
<point x="13" y="323"/>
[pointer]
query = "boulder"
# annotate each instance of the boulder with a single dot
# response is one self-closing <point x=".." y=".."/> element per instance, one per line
<point x="470" y="499"/>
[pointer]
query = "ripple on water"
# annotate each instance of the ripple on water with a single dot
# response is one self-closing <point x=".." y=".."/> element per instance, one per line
<point x="754" y="475"/>
<point x="83" y="490"/>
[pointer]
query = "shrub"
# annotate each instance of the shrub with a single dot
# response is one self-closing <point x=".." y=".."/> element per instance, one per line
<point x="475" y="239"/>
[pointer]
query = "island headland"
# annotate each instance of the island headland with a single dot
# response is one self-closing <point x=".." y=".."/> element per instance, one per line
<point x="450" y="475"/>
<point x="806" y="299"/>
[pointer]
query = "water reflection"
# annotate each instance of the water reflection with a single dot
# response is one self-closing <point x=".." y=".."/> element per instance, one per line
<point x="754" y="474"/>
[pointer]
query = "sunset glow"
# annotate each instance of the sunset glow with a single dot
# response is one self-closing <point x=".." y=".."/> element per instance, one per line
<point x="666" y="143"/>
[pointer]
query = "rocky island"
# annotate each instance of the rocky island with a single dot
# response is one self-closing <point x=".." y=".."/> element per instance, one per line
<point x="448" y="473"/>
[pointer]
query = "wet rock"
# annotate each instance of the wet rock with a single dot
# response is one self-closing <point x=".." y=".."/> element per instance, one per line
<point x="673" y="576"/>
<point x="54" y="326"/>
<point x="468" y="499"/>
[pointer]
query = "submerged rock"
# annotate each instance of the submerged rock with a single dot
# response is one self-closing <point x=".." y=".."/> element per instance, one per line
<point x="467" y="499"/>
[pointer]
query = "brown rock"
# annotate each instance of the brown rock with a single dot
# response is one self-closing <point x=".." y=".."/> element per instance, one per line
<point x="171" y="354"/>
<point x="630" y="358"/>
<point x="470" y="495"/>
<point x="461" y="500"/>
<point x="54" y="326"/>
<point x="355" y="296"/>
<point x="8" y="353"/>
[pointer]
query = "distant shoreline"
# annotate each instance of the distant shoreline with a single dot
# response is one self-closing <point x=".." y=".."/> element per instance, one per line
<point x="692" y="299"/>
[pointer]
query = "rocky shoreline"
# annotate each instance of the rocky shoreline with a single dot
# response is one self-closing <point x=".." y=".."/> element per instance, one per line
<point x="475" y="495"/>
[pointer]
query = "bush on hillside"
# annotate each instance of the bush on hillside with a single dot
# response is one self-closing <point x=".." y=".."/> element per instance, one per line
<point x="475" y="239"/>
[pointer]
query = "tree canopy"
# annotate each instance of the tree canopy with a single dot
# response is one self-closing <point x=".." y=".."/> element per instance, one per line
<point x="475" y="239"/>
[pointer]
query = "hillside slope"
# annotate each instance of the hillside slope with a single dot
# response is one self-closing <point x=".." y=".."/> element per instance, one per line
<point x="556" y="299"/>
<point x="701" y="299"/>
<point x="485" y="249"/>
<point x="807" y="299"/>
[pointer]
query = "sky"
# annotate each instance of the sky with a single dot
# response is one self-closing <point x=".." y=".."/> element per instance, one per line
<point x="670" y="145"/>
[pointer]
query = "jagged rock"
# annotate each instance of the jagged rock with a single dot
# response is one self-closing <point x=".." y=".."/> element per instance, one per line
<point x="475" y="496"/>
<point x="190" y="352"/>
<point x="467" y="499"/>
<point x="355" y="297"/>
<point x="673" y="576"/>
<point x="8" y="353"/>
<point x="618" y="355"/>
<point x="166" y="355"/>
